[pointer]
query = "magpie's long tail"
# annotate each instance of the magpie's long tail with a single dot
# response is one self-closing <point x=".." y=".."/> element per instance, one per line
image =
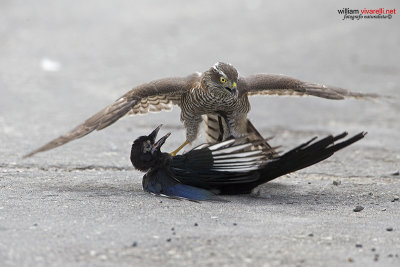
<point x="305" y="155"/>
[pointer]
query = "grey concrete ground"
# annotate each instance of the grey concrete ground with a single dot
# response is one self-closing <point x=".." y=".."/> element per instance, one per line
<point x="82" y="204"/>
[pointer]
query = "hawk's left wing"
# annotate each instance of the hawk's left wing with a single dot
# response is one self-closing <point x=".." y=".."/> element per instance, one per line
<point x="275" y="84"/>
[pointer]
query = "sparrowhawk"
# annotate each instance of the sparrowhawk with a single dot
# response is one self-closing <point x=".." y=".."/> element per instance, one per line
<point x="219" y="94"/>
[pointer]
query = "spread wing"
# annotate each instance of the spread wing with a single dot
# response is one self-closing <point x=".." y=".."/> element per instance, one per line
<point x="275" y="84"/>
<point x="150" y="97"/>
<point x="235" y="168"/>
<point x="209" y="166"/>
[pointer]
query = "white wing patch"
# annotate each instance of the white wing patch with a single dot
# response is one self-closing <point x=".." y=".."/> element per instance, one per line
<point x="231" y="149"/>
<point x="222" y="144"/>
<point x="229" y="156"/>
<point x="201" y="146"/>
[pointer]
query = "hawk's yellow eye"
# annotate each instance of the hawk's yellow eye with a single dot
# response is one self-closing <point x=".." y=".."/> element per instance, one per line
<point x="222" y="79"/>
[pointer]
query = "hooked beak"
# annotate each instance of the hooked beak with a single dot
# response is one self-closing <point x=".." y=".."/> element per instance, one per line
<point x="233" y="89"/>
<point x="154" y="133"/>
<point x="157" y="145"/>
<point x="234" y="92"/>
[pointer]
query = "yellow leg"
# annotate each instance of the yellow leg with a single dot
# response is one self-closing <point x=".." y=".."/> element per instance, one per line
<point x="173" y="153"/>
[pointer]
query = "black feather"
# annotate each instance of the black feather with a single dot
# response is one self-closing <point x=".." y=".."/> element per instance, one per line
<point x="230" y="167"/>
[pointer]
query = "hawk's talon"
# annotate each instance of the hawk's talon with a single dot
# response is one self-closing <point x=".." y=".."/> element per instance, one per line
<point x="173" y="153"/>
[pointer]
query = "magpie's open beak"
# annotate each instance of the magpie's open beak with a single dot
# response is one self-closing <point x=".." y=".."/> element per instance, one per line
<point x="154" y="133"/>
<point x="157" y="145"/>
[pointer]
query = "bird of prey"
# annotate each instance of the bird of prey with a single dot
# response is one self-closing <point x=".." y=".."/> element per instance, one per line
<point x="226" y="167"/>
<point x="218" y="94"/>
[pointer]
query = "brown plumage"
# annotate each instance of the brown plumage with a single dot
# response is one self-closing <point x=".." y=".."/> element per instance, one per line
<point x="219" y="93"/>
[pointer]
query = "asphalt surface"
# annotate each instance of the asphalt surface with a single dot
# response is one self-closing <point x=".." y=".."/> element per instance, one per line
<point x="82" y="204"/>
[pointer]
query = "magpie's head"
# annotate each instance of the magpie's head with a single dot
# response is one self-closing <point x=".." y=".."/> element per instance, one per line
<point x="145" y="152"/>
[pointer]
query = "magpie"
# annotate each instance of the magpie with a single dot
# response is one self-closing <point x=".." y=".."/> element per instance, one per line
<point x="231" y="167"/>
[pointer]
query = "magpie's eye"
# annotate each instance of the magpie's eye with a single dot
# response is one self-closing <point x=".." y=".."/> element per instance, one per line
<point x="146" y="146"/>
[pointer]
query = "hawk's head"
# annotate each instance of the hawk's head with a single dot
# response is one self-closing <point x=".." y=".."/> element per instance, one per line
<point x="222" y="77"/>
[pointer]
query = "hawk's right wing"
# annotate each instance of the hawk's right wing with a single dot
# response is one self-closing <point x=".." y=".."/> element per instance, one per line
<point x="150" y="97"/>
